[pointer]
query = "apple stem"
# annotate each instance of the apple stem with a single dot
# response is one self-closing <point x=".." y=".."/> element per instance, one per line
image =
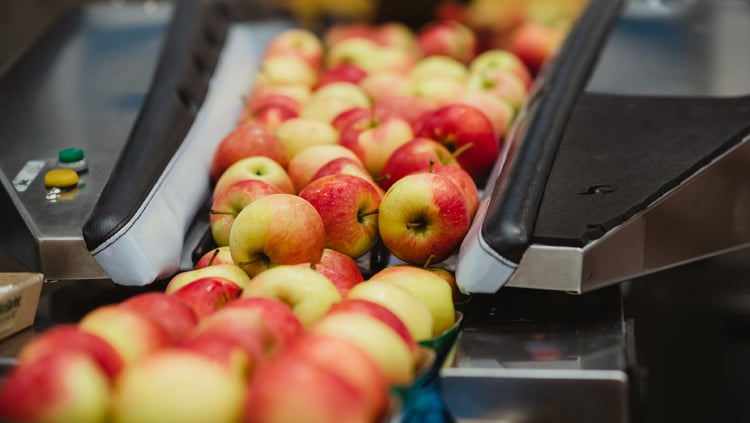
<point x="462" y="149"/>
<point x="382" y="178"/>
<point x="213" y="257"/>
<point x="369" y="213"/>
<point x="432" y="164"/>
<point x="312" y="266"/>
<point x="221" y="212"/>
<point x="429" y="261"/>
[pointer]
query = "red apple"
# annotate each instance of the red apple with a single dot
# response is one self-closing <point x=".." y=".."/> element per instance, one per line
<point x="244" y="327"/>
<point x="247" y="140"/>
<point x="206" y="295"/>
<point x="448" y="38"/>
<point x="504" y="84"/>
<point x="218" y="255"/>
<point x="276" y="315"/>
<point x="276" y="229"/>
<point x="228" y="203"/>
<point x="381" y="313"/>
<point x="348" y="206"/>
<point x="423" y="218"/>
<point x="465" y="128"/>
<point x="416" y="155"/>
<point x="68" y="386"/>
<point x="308" y="162"/>
<point x="385" y="84"/>
<point x="343" y="165"/>
<point x="343" y="31"/>
<point x="223" y="350"/>
<point x="500" y="112"/>
<point x="270" y="110"/>
<point x="344" y="72"/>
<point x="373" y="140"/>
<point x="298" y="42"/>
<point x="172" y="314"/>
<point x="410" y="108"/>
<point x="535" y="43"/>
<point x="499" y="59"/>
<point x="227" y="271"/>
<point x="255" y="167"/>
<point x="340" y="269"/>
<point x="463" y="181"/>
<point x="69" y="337"/>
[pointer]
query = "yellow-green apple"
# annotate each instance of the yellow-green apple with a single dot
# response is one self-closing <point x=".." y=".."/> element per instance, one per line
<point x="501" y="83"/>
<point x="358" y="51"/>
<point x="429" y="288"/>
<point x="385" y="84"/>
<point x="350" y="92"/>
<point x="58" y="388"/>
<point x="305" y="164"/>
<point x="177" y="385"/>
<point x="344" y="72"/>
<point x="208" y="294"/>
<point x="501" y="59"/>
<point x="69" y="337"/>
<point x="174" y="316"/>
<point x="348" y="206"/>
<point x="307" y="292"/>
<point x="218" y="255"/>
<point x="423" y="218"/>
<point x="299" y="133"/>
<point x="299" y="42"/>
<point x="246" y="328"/>
<point x="228" y="203"/>
<point x="380" y="312"/>
<point x="401" y="302"/>
<point x="448" y="38"/>
<point x="450" y="277"/>
<point x="463" y="181"/>
<point x="342" y="31"/>
<point x="276" y="315"/>
<point x="373" y="140"/>
<point x="499" y="111"/>
<point x="325" y="108"/>
<point x="466" y="128"/>
<point x="416" y="155"/>
<point x="359" y="368"/>
<point x="438" y="66"/>
<point x="535" y="43"/>
<point x="294" y="388"/>
<point x="276" y="229"/>
<point x="396" y="34"/>
<point x="286" y="69"/>
<point x="131" y="333"/>
<point x="270" y="110"/>
<point x="256" y="167"/>
<point x="437" y="90"/>
<point x="227" y="270"/>
<point x="247" y="140"/>
<point x="392" y="59"/>
<point x="392" y="354"/>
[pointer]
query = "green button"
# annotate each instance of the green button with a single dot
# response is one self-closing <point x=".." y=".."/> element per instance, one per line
<point x="70" y="155"/>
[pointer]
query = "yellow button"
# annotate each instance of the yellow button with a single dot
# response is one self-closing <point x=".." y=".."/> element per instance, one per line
<point x="61" y="178"/>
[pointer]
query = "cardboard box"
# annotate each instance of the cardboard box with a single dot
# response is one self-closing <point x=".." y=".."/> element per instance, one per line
<point x="19" y="298"/>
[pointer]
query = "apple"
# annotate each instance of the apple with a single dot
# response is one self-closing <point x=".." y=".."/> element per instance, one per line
<point x="391" y="353"/>
<point x="345" y="166"/>
<point x="177" y="385"/>
<point x="276" y="315"/>
<point x="502" y="83"/>
<point x="307" y="292"/>
<point x="270" y="110"/>
<point x="68" y="386"/>
<point x="448" y="38"/>
<point x="385" y="84"/>
<point x="438" y="66"/>
<point x="341" y="281"/>
<point x="423" y="218"/>
<point x="276" y="229"/>
<point x="218" y="255"/>
<point x="131" y="333"/>
<point x="499" y="111"/>
<point x="305" y="164"/>
<point x="223" y="350"/>
<point x="244" y="327"/>
<point x="298" y="92"/>
<point x="429" y="288"/>
<point x="326" y="108"/>
<point x="415" y="315"/>
<point x="256" y="167"/>
<point x="349" y="116"/>
<point x="535" y="43"/>
<point x="228" y="203"/>
<point x="450" y="277"/>
<point x="340" y="268"/>
<point x="247" y="140"/>
<point x="228" y="271"/>
<point x="357" y="51"/>
<point x="287" y="69"/>
<point x="396" y="34"/>
<point x="380" y="312"/>
<point x="340" y="31"/>
<point x="359" y="369"/>
<point x="172" y="314"/>
<point x="69" y="337"/>
<point x="500" y="59"/>
<point x="344" y="72"/>
<point x="392" y="59"/>
<point x="465" y="128"/>
<point x="407" y="107"/>
<point x="291" y="388"/>
<point x="463" y="181"/>
<point x="348" y="206"/>
<point x="299" y="133"/>
<point x="352" y="93"/>
<point x="416" y="155"/>
<point x="208" y="294"/>
<point x="437" y="90"/>
<point x="297" y="42"/>
<point x="374" y="140"/>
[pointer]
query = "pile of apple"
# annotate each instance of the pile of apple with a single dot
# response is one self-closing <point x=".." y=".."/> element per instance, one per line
<point x="368" y="135"/>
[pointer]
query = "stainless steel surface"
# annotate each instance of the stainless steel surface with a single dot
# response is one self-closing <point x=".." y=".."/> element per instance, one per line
<point x="708" y="214"/>
<point x="527" y="356"/>
<point x="88" y="96"/>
